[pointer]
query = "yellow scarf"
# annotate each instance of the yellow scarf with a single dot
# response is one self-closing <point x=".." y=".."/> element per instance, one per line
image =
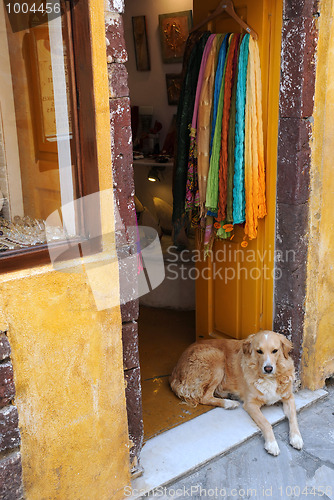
<point x="254" y="152"/>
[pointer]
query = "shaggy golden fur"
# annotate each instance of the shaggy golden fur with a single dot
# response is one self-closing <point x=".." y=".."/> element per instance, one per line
<point x="258" y="370"/>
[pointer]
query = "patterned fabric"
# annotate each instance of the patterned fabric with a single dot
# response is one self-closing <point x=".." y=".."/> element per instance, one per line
<point x="192" y="194"/>
<point x="184" y="116"/>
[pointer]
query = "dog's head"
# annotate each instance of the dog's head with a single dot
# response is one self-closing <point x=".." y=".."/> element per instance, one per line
<point x="267" y="350"/>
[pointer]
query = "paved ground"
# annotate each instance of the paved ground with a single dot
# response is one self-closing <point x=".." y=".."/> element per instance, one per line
<point x="249" y="472"/>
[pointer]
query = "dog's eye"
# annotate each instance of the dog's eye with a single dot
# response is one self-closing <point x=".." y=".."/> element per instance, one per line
<point x="275" y="351"/>
<point x="260" y="351"/>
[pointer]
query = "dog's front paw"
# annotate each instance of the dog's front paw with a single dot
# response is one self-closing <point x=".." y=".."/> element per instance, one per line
<point x="296" y="441"/>
<point x="230" y="405"/>
<point x="272" y="448"/>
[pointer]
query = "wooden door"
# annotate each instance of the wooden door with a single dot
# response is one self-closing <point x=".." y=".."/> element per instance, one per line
<point x="234" y="293"/>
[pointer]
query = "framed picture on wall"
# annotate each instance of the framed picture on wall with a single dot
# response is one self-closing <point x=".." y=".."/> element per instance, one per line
<point x="174" y="30"/>
<point x="143" y="62"/>
<point x="173" y="82"/>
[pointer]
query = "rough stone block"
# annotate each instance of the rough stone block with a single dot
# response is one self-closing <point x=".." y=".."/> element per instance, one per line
<point x="9" y="432"/>
<point x="121" y="146"/>
<point x="134" y="411"/>
<point x="299" y="8"/>
<point x="11" y="487"/>
<point x="297" y="67"/>
<point x="7" y="386"/>
<point x="4" y="347"/>
<point x="309" y="69"/>
<point x="130" y="310"/>
<point x="121" y="153"/>
<point x="291" y="288"/>
<point x="294" y="153"/>
<point x="128" y="275"/>
<point x="130" y="345"/>
<point x="118" y="81"/>
<point x="115" y="6"/>
<point x="291" y="247"/>
<point x="289" y="320"/>
<point x="291" y="236"/>
<point x="116" y="51"/>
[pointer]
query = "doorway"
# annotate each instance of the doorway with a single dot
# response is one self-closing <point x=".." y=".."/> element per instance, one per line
<point x="234" y="309"/>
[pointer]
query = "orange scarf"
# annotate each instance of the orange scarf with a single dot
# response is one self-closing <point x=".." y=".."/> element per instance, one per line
<point x="254" y="152"/>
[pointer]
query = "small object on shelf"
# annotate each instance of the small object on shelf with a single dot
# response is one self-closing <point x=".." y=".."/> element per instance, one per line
<point x="137" y="155"/>
<point x="26" y="231"/>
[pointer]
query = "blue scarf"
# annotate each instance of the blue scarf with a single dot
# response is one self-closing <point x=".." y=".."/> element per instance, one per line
<point x="218" y="82"/>
<point x="239" y="202"/>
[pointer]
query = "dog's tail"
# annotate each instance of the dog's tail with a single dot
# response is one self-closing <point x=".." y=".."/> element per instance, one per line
<point x="183" y="392"/>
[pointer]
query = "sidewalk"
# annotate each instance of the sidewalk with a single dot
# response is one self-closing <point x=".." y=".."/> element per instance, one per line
<point x="249" y="472"/>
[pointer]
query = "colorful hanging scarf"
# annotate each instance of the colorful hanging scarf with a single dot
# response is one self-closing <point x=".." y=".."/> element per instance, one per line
<point x="218" y="82"/>
<point x="254" y="154"/>
<point x="239" y="162"/>
<point x="192" y="194"/>
<point x="204" y="122"/>
<point x="213" y="177"/>
<point x="184" y="116"/>
<point x="225" y="227"/>
<point x="223" y="159"/>
<point x="231" y="138"/>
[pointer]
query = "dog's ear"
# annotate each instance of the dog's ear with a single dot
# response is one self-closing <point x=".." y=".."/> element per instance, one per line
<point x="247" y="345"/>
<point x="286" y="346"/>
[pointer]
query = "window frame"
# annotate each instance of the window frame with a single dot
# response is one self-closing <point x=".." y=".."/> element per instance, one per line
<point x="78" y="35"/>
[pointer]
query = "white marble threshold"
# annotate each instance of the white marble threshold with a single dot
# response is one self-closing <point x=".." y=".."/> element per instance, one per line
<point x="179" y="451"/>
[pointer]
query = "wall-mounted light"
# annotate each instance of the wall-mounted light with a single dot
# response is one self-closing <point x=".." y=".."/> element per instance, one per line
<point x="153" y="174"/>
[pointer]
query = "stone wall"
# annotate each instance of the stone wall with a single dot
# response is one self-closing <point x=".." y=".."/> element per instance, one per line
<point x="10" y="457"/>
<point x="298" y="56"/>
<point x="122" y="159"/>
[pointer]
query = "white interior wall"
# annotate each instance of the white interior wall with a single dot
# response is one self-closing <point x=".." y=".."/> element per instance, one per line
<point x="148" y="88"/>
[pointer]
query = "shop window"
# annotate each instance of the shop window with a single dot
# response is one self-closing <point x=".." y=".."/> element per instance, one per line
<point x="48" y="154"/>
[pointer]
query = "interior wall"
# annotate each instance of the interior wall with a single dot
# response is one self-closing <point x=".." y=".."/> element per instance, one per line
<point x="148" y="88"/>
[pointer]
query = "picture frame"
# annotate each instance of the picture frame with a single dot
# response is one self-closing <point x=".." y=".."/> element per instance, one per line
<point x="174" y="30"/>
<point x="143" y="62"/>
<point x="173" y="84"/>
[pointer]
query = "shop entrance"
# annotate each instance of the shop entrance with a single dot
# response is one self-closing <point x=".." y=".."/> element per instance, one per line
<point x="230" y="293"/>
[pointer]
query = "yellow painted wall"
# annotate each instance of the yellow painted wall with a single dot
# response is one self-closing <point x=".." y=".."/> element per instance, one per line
<point x="67" y="355"/>
<point x="318" y="348"/>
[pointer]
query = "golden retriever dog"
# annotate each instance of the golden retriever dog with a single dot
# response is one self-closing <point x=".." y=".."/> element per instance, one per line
<point x="258" y="370"/>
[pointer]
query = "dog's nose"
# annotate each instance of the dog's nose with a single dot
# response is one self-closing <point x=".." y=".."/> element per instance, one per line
<point x="268" y="369"/>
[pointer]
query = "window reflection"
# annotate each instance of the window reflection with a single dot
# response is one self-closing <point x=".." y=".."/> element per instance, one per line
<point x="37" y="156"/>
